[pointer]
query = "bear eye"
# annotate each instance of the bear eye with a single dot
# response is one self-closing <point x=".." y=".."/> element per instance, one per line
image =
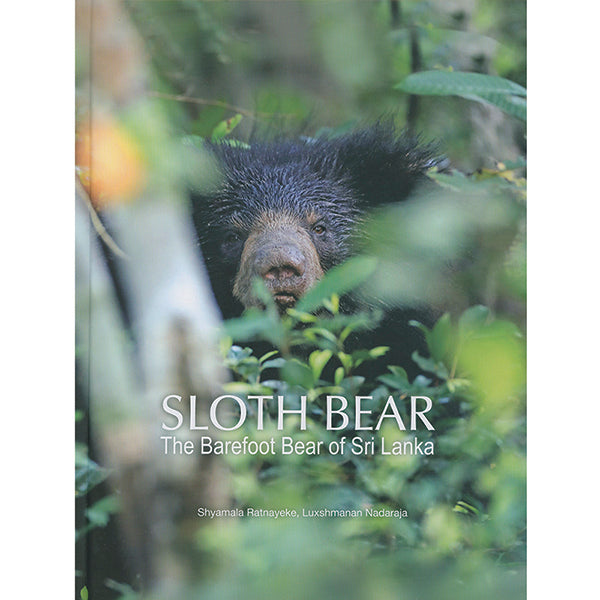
<point x="231" y="237"/>
<point x="319" y="229"/>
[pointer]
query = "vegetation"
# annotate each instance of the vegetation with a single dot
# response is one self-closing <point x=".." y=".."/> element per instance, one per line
<point x="467" y="500"/>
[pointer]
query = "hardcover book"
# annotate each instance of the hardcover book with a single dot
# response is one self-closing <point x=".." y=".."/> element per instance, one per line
<point x="300" y="299"/>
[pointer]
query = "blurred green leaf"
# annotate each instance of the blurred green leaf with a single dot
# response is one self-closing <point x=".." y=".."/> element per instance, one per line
<point x="338" y="281"/>
<point x="268" y="355"/>
<point x="505" y="94"/>
<point x="397" y="379"/>
<point x="296" y="372"/>
<point x="430" y="365"/>
<point x="442" y="340"/>
<point x="443" y="83"/>
<point x="241" y="388"/>
<point x="125" y="590"/>
<point x="88" y="474"/>
<point x="99" y="513"/>
<point x="254" y="323"/>
<point x="473" y="319"/>
<point x="275" y="363"/>
<point x="225" y="127"/>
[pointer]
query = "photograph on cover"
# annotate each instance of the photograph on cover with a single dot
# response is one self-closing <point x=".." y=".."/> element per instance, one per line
<point x="300" y="235"/>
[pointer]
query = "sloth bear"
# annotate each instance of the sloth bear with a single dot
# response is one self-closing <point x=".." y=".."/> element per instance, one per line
<point x="288" y="210"/>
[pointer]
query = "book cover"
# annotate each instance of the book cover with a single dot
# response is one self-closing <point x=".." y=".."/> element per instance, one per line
<point x="300" y="299"/>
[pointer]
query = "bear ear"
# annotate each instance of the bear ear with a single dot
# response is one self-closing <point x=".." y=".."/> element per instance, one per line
<point x="385" y="167"/>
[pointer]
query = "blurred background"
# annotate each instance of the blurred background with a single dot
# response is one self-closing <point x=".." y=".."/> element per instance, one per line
<point x="314" y="64"/>
<point x="153" y="80"/>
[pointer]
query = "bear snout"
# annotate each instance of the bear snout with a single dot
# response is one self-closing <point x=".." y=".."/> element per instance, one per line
<point x="280" y="261"/>
<point x="285" y="259"/>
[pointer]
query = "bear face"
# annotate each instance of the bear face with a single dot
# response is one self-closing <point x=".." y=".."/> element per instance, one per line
<point x="289" y="210"/>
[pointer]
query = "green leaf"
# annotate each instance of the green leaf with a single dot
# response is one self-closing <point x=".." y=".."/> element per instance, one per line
<point x="332" y="304"/>
<point x="519" y="163"/>
<point x="225" y="127"/>
<point x="456" y="182"/>
<point x="125" y="590"/>
<point x="99" y="513"/>
<point x="320" y="334"/>
<point x="360" y="356"/>
<point x="398" y="379"/>
<point x="260" y="290"/>
<point x="195" y="141"/>
<point x="346" y="332"/>
<point x="241" y="388"/>
<point x="512" y="105"/>
<point x="83" y="593"/>
<point x="378" y="351"/>
<point x="352" y="384"/>
<point x="236" y="144"/>
<point x="275" y="363"/>
<point x="253" y="323"/>
<point x="317" y="360"/>
<point x="297" y="373"/>
<point x="473" y="319"/>
<point x="464" y="508"/>
<point x="459" y="83"/>
<point x="267" y="356"/>
<point x="338" y="280"/>
<point x="88" y="474"/>
<point x="419" y="325"/>
<point x="237" y="354"/>
<point x="346" y="360"/>
<point x="399" y="372"/>
<point x="441" y="340"/>
<point x="430" y="365"/>
<point x="248" y="368"/>
<point x="503" y="93"/>
<point x="303" y="317"/>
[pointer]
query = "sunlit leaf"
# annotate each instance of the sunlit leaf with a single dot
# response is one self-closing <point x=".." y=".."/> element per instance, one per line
<point x="225" y="127"/>
<point x="317" y="360"/>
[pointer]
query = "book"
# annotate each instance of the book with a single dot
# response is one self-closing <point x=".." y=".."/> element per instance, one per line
<point x="300" y="300"/>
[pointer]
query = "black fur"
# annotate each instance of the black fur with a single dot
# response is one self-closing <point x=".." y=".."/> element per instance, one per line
<point x="338" y="178"/>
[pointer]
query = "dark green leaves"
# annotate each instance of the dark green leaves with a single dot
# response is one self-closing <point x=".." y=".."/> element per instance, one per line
<point x="506" y="95"/>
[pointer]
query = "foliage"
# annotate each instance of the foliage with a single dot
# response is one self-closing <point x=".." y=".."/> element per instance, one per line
<point x="88" y="475"/>
<point x="466" y="502"/>
<point x="211" y="57"/>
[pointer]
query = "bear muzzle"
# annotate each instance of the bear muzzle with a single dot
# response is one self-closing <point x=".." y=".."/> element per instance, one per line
<point x="287" y="261"/>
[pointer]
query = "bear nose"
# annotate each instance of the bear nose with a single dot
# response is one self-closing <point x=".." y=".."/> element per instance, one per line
<point x="280" y="262"/>
<point x="283" y="272"/>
